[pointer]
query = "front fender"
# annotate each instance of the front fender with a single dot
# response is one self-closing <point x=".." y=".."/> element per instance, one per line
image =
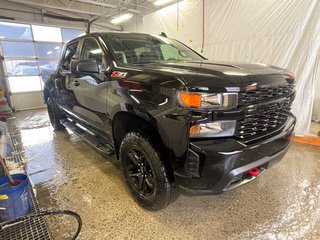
<point x="158" y="106"/>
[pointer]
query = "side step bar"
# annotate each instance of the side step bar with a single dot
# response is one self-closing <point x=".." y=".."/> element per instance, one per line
<point x="89" y="137"/>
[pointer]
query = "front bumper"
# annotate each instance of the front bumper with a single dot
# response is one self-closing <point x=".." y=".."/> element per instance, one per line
<point x="218" y="165"/>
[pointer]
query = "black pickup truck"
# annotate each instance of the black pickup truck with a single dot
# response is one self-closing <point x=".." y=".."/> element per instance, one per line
<point x="177" y="122"/>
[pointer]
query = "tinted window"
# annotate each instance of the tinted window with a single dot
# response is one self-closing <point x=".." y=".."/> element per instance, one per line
<point x="91" y="51"/>
<point x="70" y="52"/>
<point x="143" y="48"/>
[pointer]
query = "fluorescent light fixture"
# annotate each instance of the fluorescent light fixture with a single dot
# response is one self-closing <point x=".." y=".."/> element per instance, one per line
<point x="96" y="51"/>
<point x="49" y="52"/>
<point x="161" y="2"/>
<point x="57" y="48"/>
<point x="122" y="18"/>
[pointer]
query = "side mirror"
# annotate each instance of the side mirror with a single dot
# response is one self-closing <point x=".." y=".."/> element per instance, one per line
<point x="84" y="66"/>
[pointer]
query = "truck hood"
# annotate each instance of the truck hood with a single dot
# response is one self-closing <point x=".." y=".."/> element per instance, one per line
<point x="210" y="75"/>
<point x="220" y="69"/>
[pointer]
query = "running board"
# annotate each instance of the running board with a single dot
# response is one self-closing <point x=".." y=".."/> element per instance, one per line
<point x="89" y="137"/>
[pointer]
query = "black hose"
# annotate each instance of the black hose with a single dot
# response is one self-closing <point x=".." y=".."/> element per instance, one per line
<point x="45" y="213"/>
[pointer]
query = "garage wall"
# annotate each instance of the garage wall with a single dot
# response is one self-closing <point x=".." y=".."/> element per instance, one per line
<point x="278" y="32"/>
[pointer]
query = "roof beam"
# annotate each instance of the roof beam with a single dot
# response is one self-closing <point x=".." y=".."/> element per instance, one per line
<point x="63" y="8"/>
<point x="62" y="12"/>
<point x="103" y="4"/>
<point x="97" y="3"/>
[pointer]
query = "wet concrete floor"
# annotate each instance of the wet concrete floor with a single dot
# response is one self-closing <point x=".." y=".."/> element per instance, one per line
<point x="284" y="203"/>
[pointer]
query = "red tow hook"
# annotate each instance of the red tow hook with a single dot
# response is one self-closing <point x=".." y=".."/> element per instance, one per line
<point x="254" y="172"/>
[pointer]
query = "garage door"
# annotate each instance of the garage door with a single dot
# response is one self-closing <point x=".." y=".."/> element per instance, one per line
<point x="29" y="51"/>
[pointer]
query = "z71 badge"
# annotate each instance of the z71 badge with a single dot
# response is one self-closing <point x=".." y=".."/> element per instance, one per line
<point x="117" y="74"/>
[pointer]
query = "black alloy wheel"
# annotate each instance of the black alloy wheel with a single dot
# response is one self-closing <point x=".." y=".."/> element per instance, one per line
<point x="140" y="172"/>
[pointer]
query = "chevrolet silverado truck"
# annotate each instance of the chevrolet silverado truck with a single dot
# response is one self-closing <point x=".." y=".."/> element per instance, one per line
<point x="177" y="122"/>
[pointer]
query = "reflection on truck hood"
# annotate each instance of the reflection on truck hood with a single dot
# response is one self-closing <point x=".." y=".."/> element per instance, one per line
<point x="212" y="75"/>
<point x="235" y="69"/>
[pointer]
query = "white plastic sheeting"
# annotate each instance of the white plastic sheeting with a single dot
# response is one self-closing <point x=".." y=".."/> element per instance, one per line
<point x="277" y="32"/>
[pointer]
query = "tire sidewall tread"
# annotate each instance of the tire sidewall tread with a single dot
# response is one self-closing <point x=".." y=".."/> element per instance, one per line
<point x="164" y="189"/>
<point x="55" y="122"/>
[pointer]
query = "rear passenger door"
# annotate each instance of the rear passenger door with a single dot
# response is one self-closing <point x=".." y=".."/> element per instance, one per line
<point x="90" y="90"/>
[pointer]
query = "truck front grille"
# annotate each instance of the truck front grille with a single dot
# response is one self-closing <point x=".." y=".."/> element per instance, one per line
<point x="265" y="94"/>
<point x="262" y="119"/>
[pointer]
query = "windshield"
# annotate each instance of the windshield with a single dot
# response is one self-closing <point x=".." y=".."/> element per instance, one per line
<point x="143" y="49"/>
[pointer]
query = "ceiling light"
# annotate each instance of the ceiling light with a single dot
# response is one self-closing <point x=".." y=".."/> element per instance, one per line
<point x="57" y="48"/>
<point x="122" y="18"/>
<point x="49" y="52"/>
<point x="161" y="2"/>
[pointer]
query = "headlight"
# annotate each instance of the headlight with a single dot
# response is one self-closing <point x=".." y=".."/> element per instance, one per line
<point x="213" y="129"/>
<point x="208" y="100"/>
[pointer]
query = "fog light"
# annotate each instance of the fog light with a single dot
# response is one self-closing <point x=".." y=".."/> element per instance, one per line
<point x="213" y="129"/>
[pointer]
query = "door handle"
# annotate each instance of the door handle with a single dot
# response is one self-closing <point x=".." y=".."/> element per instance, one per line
<point x="76" y="83"/>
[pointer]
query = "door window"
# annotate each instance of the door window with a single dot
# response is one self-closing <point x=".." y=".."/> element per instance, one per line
<point x="92" y="51"/>
<point x="69" y="53"/>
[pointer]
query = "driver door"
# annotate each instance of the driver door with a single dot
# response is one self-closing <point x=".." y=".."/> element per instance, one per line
<point x="90" y="89"/>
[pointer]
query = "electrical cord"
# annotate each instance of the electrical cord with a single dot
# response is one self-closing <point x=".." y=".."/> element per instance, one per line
<point x="11" y="222"/>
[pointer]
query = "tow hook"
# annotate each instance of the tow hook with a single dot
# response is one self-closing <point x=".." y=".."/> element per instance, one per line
<point x="254" y="172"/>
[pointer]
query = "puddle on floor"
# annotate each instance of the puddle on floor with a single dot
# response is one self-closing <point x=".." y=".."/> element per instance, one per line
<point x="35" y="119"/>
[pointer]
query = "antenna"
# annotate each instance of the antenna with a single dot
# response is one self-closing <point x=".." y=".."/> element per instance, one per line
<point x="162" y="34"/>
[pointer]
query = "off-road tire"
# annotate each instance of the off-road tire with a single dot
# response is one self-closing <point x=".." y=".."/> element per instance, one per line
<point x="54" y="115"/>
<point x="164" y="191"/>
